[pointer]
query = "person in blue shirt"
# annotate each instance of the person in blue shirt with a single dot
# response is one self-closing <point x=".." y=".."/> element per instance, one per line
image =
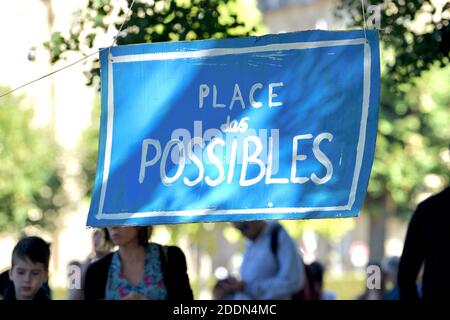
<point x="265" y="274"/>
<point x="389" y="265"/>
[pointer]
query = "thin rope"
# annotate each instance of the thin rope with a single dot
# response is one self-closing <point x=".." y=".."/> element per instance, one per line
<point x="73" y="63"/>
<point x="363" y="6"/>
<point x="120" y="29"/>
<point x="48" y="74"/>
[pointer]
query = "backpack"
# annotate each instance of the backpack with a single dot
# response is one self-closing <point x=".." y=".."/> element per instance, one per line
<point x="308" y="292"/>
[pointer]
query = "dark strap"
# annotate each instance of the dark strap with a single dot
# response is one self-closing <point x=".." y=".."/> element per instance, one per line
<point x="165" y="253"/>
<point x="274" y="242"/>
<point x="274" y="239"/>
<point x="174" y="269"/>
<point x="96" y="278"/>
<point x="302" y="294"/>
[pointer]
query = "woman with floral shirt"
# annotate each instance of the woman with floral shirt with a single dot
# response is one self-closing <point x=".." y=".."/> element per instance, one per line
<point x="138" y="270"/>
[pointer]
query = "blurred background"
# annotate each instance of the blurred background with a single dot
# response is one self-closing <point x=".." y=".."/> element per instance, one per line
<point x="49" y="129"/>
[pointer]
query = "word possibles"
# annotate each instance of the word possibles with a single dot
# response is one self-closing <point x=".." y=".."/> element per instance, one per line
<point x="250" y="147"/>
<point x="249" y="142"/>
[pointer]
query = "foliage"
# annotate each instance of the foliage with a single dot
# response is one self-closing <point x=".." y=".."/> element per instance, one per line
<point x="87" y="150"/>
<point x="417" y="31"/>
<point x="413" y="138"/>
<point x="414" y="115"/>
<point x="30" y="182"/>
<point x="347" y="286"/>
<point x="330" y="229"/>
<point x="151" y="21"/>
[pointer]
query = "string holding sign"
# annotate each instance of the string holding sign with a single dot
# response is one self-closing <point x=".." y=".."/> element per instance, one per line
<point x="363" y="9"/>
<point x="86" y="56"/>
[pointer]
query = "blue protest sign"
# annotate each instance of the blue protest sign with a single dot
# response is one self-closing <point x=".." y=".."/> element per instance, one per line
<point x="273" y="127"/>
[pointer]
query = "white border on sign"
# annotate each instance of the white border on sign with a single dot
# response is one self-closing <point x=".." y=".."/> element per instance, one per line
<point x="229" y="51"/>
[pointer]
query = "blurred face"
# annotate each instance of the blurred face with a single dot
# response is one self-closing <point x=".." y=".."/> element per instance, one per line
<point x="28" y="277"/>
<point x="122" y="236"/>
<point x="99" y="243"/>
<point x="250" y="229"/>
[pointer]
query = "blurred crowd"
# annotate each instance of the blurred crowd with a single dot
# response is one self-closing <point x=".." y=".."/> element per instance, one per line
<point x="126" y="265"/>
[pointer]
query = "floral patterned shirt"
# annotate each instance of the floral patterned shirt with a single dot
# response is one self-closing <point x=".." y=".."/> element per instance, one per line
<point x="151" y="285"/>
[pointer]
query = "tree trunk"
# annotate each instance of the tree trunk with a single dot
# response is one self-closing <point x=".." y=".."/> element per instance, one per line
<point x="376" y="237"/>
<point x="377" y="229"/>
<point x="378" y="222"/>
